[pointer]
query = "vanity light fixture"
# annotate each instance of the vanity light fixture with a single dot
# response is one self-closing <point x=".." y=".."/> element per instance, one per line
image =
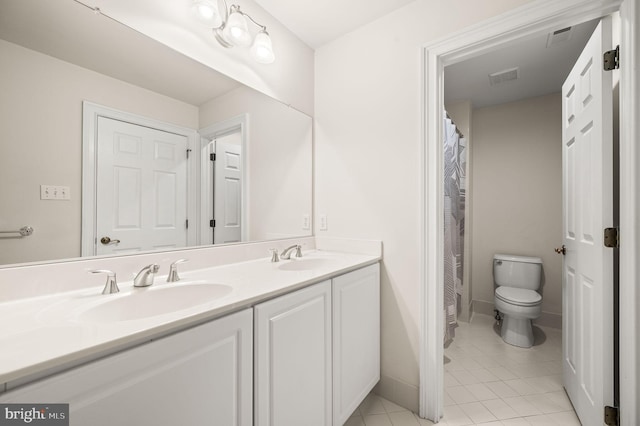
<point x="230" y="27"/>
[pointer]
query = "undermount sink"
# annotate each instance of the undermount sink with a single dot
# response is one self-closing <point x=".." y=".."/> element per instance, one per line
<point x="153" y="301"/>
<point x="304" y="264"/>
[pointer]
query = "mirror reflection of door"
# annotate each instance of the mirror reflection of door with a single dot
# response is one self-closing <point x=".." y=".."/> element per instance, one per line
<point x="141" y="182"/>
<point x="227" y="192"/>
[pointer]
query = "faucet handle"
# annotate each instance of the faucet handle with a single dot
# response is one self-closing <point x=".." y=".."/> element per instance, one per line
<point x="111" y="286"/>
<point x="274" y="255"/>
<point x="173" y="271"/>
<point x="298" y="250"/>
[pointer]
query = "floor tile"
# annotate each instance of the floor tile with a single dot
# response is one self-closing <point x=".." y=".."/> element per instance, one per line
<point x="502" y="373"/>
<point x="500" y="409"/>
<point x="477" y="412"/>
<point x="392" y="407"/>
<point x="485" y="375"/>
<point x="566" y="418"/>
<point x="540" y="420"/>
<point x="520" y="421"/>
<point x="490" y="383"/>
<point x="561" y="398"/>
<point x="425" y="422"/>
<point x="522" y="407"/>
<point x="502" y="389"/>
<point x="481" y="392"/>
<point x="372" y="404"/>
<point x="377" y="420"/>
<point x="450" y="380"/>
<point x="403" y="418"/>
<point x="465" y="377"/>
<point x="460" y="394"/>
<point x="454" y="416"/>
<point x="522" y="387"/>
<point x="545" y="404"/>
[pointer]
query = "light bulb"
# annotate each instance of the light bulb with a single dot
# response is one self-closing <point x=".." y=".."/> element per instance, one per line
<point x="236" y="31"/>
<point x="262" y="49"/>
<point x="206" y="11"/>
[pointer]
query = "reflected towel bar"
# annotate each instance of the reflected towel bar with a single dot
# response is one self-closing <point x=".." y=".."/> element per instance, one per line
<point x="25" y="231"/>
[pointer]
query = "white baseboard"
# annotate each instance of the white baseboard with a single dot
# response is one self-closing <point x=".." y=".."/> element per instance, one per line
<point x="547" y="319"/>
<point x="398" y="392"/>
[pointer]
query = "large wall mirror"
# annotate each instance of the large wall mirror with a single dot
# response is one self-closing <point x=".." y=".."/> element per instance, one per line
<point x="81" y="92"/>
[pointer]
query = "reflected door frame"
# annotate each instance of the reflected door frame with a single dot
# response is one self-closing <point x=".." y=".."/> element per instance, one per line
<point x="239" y="123"/>
<point x="90" y="114"/>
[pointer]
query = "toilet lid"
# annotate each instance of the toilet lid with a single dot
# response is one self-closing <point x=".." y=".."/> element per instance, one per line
<point x="518" y="296"/>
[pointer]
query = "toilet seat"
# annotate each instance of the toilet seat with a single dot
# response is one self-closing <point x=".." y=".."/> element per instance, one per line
<point x="518" y="296"/>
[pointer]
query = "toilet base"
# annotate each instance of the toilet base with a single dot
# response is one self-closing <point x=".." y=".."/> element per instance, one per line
<point x="517" y="331"/>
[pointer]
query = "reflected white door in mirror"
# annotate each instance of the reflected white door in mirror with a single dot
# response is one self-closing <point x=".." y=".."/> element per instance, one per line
<point x="136" y="183"/>
<point x="141" y="182"/>
<point x="227" y="193"/>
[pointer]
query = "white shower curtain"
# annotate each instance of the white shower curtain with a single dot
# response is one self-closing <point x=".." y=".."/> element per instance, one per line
<point x="454" y="201"/>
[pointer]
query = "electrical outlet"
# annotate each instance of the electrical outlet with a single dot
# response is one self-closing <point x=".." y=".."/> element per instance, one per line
<point x="323" y="222"/>
<point x="55" y="192"/>
<point x="306" y="222"/>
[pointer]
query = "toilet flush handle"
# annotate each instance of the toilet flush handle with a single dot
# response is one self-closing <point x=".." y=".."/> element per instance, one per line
<point x="561" y="250"/>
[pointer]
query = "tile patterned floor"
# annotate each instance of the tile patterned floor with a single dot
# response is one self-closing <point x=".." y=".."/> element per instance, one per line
<point x="488" y="382"/>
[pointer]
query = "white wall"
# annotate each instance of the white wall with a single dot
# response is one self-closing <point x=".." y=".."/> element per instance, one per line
<point x="517" y="193"/>
<point x="367" y="164"/>
<point x="41" y="143"/>
<point x="280" y="158"/>
<point x="289" y="79"/>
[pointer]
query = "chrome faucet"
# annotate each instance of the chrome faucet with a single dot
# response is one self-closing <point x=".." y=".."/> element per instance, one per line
<point x="286" y="253"/>
<point x="274" y="255"/>
<point x="145" y="276"/>
<point x="111" y="286"/>
<point x="173" y="271"/>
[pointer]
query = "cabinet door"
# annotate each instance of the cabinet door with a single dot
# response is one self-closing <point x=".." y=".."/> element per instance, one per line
<point x="356" y="339"/>
<point x="293" y="359"/>
<point x="201" y="376"/>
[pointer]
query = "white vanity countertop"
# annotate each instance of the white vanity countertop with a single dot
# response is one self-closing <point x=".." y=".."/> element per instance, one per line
<point x="54" y="331"/>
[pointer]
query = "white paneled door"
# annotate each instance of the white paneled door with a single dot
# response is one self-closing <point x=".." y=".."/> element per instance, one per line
<point x="227" y="200"/>
<point x="141" y="183"/>
<point x="588" y="209"/>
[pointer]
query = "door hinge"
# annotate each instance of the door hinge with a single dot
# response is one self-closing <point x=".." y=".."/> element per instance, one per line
<point x="188" y="152"/>
<point x="611" y="416"/>
<point x="187" y="223"/>
<point x="612" y="59"/>
<point x="611" y="238"/>
<point x="212" y="157"/>
<point x="212" y="223"/>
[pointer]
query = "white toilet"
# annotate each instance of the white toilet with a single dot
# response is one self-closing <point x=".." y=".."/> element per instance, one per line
<point x="517" y="279"/>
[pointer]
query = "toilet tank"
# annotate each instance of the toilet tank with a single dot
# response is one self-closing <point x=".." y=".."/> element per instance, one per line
<point x="517" y="271"/>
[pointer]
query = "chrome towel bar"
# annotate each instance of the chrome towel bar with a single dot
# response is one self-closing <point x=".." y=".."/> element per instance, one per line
<point x="25" y="231"/>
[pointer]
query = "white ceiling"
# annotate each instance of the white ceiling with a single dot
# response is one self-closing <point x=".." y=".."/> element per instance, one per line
<point x="542" y="70"/>
<point x="317" y="22"/>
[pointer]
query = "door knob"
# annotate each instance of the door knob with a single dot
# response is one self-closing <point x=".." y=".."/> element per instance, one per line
<point x="561" y="250"/>
<point x="106" y="241"/>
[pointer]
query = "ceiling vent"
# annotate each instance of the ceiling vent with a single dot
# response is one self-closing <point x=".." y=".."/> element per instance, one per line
<point x="559" y="36"/>
<point x="504" y="76"/>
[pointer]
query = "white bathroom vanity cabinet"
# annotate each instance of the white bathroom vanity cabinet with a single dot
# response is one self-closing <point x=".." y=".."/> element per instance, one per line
<point x="307" y="357"/>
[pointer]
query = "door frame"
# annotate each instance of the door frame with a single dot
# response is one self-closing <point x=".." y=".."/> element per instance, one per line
<point x="207" y="135"/>
<point x="90" y="114"/>
<point x="533" y="18"/>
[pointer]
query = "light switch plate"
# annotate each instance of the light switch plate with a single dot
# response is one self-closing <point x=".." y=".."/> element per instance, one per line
<point x="55" y="192"/>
